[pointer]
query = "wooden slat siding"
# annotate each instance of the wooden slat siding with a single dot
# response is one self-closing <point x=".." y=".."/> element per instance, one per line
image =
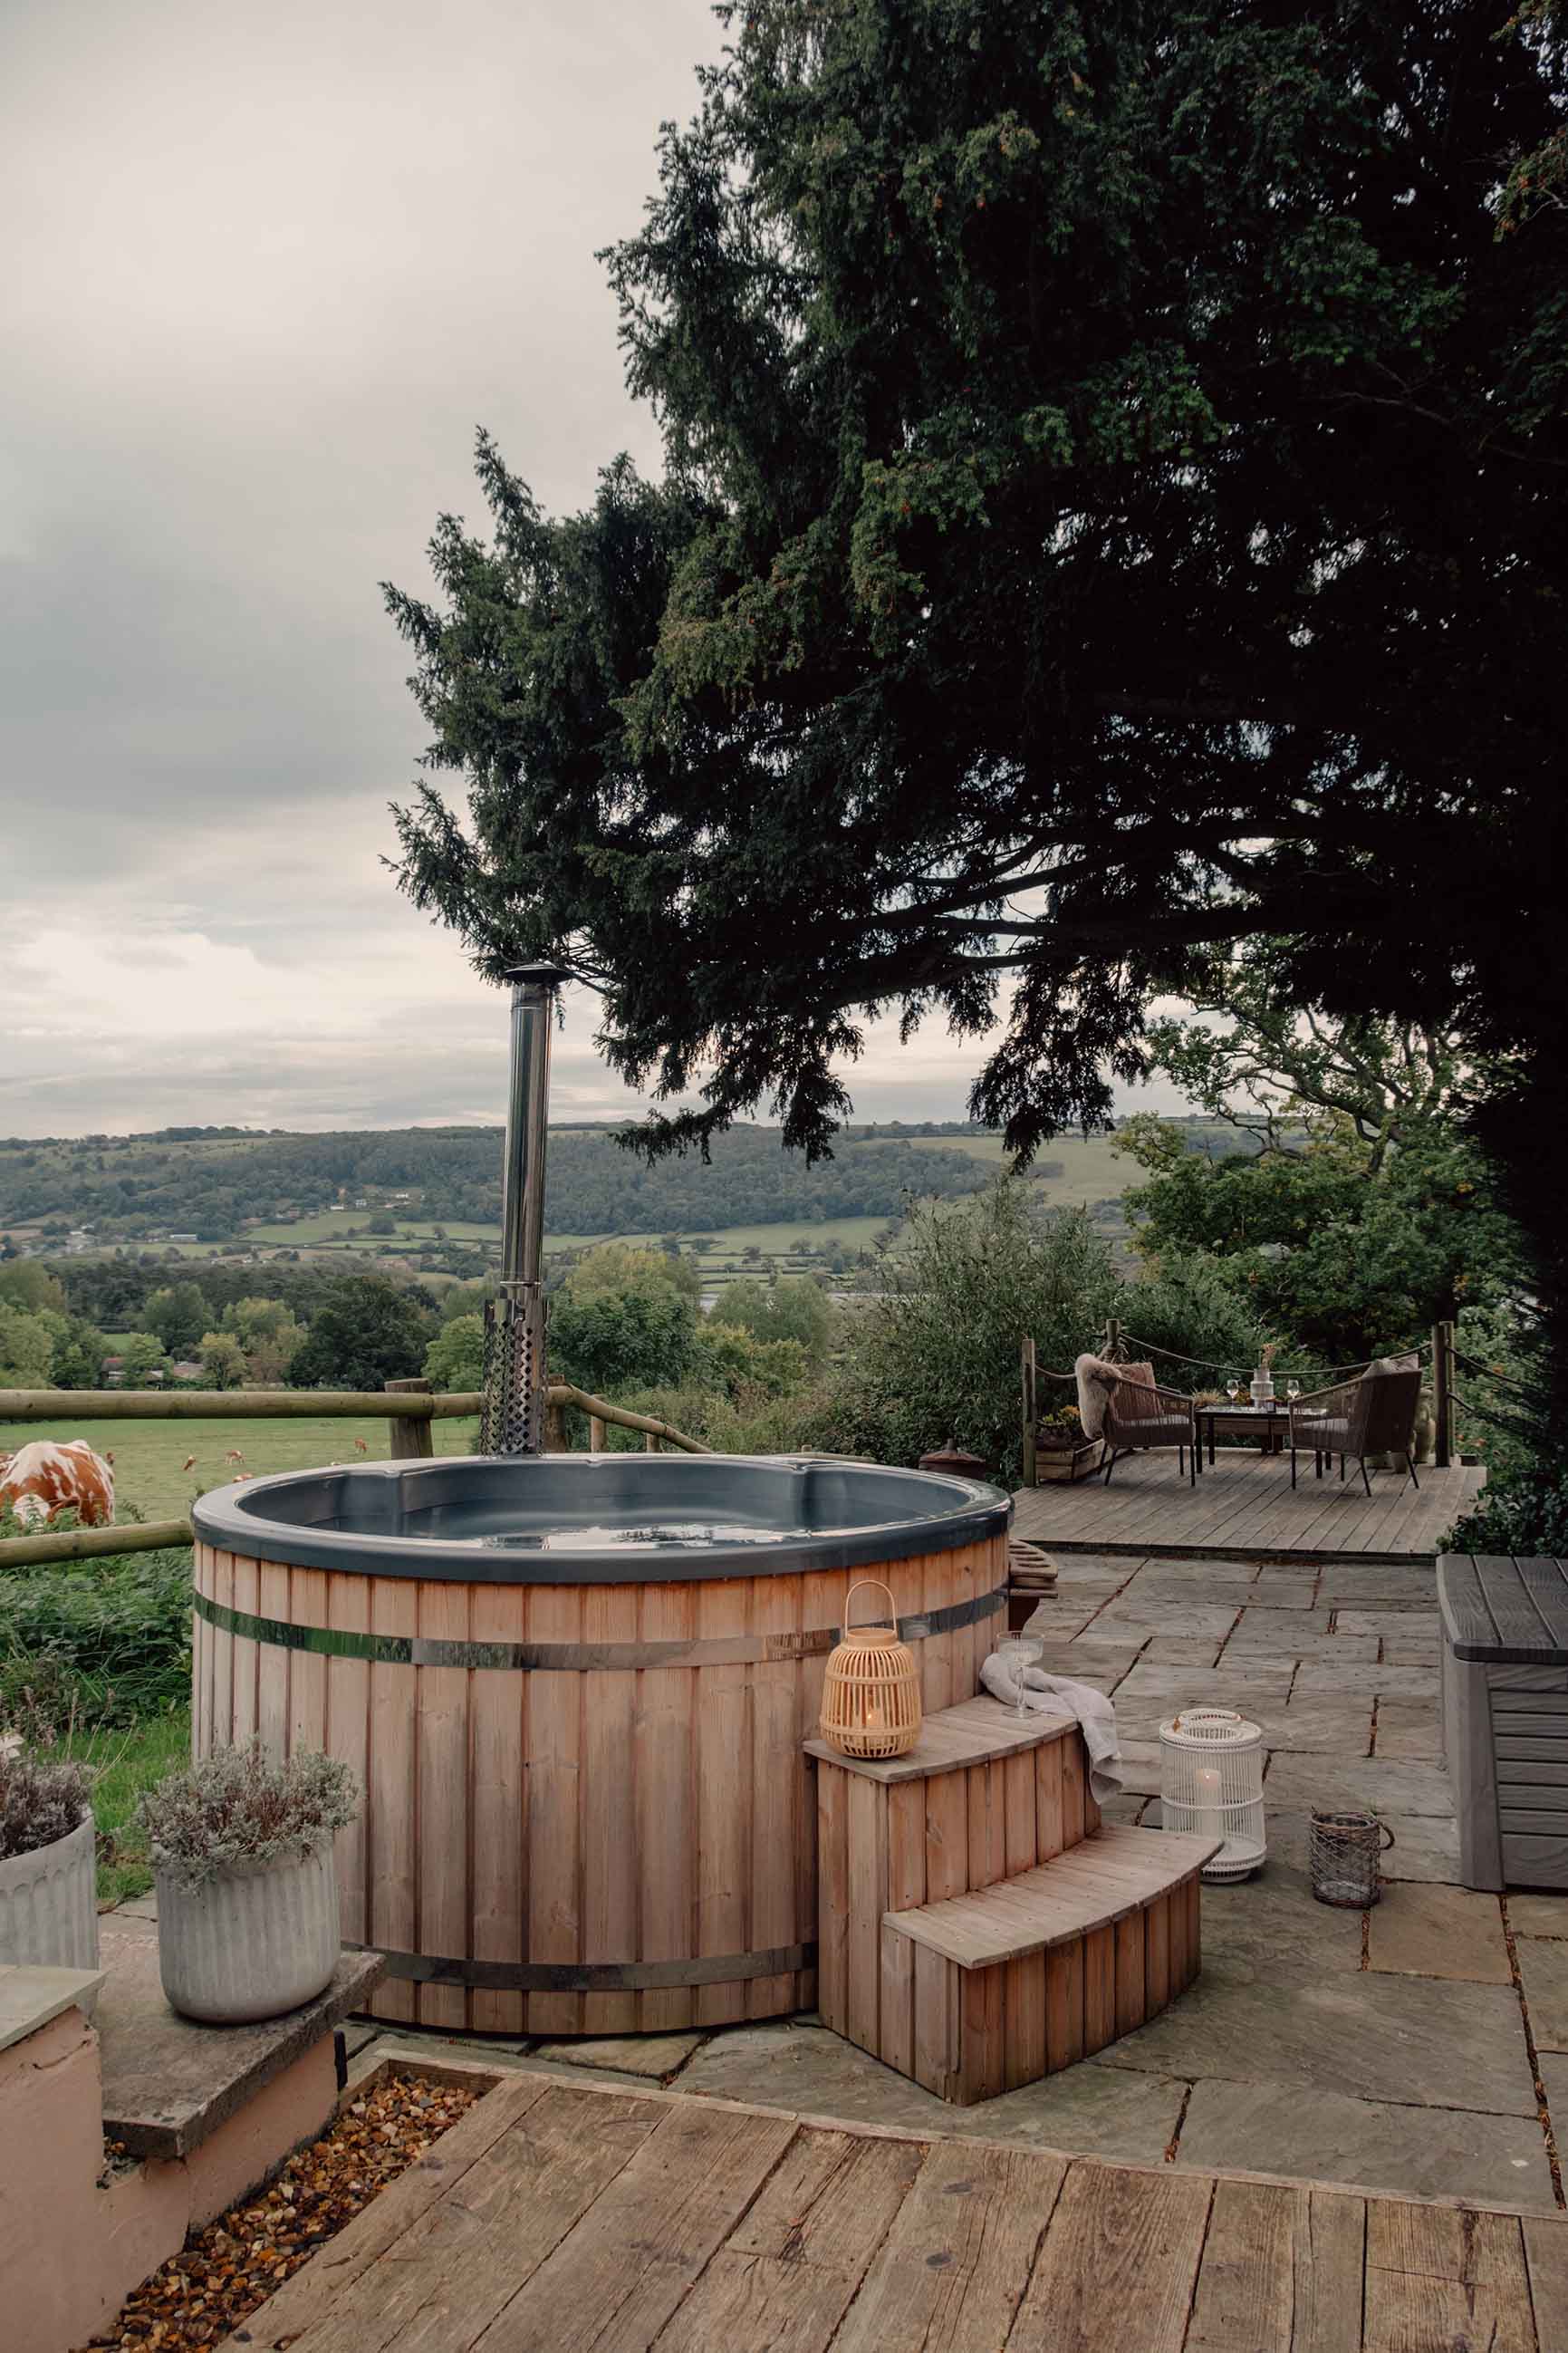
<point x="906" y="1889"/>
<point x="954" y="2266"/>
<point x="1024" y="2019"/>
<point x="1017" y="1778"/>
<point x="348" y="1736"/>
<point x="1442" y="2277"/>
<point x="308" y="1671"/>
<point x="1098" y="1990"/>
<point x="666" y="1807"/>
<point x="971" y="1644"/>
<point x="1246" y="2295"/>
<point x="497" y="1708"/>
<point x="1117" y="2265"/>
<point x="723" y="1768"/>
<point x="222" y="1590"/>
<point x="936" y="2024"/>
<point x="1092" y="1813"/>
<point x="1131" y="1977"/>
<point x="786" y="2276"/>
<point x="391" y="1842"/>
<point x="941" y="1683"/>
<point x="613" y="2283"/>
<point x="201" y="1668"/>
<point x="301" y="2304"/>
<point x="947" y="1835"/>
<point x="1180" y="1972"/>
<point x="443" y="1801"/>
<point x="783" y="1795"/>
<point x="1194" y="1901"/>
<point x="246" y="1654"/>
<point x="983" y="2070"/>
<point x="1158" y="1956"/>
<point x="1329" y="2270"/>
<point x="1064" y="2005"/>
<point x="987" y="1827"/>
<point x="833" y="1913"/>
<point x="1048" y="1826"/>
<point x="1074" y="1788"/>
<point x="445" y="2286"/>
<point x="554" y="1767"/>
<point x="273" y="1663"/>
<point x="1546" y="2261"/>
<point x="868" y="1838"/>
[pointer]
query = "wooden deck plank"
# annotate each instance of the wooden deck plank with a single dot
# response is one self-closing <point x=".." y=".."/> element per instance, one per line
<point x="1117" y="2265"/>
<point x="1247" y="2281"/>
<point x="1245" y="1509"/>
<point x="1330" y="2265"/>
<point x="1439" y="2277"/>
<point x="952" y="2271"/>
<point x="1546" y="2261"/>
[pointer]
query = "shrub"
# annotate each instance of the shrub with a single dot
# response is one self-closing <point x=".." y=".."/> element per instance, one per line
<point x="107" y="1642"/>
<point x="241" y="1807"/>
<point x="1191" y="1305"/>
<point x="39" y="1802"/>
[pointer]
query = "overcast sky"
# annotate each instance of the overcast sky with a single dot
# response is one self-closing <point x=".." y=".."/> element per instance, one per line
<point x="268" y="268"/>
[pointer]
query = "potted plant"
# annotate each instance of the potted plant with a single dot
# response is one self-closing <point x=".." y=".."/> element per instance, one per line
<point x="1062" y="1453"/>
<point x="247" y="1889"/>
<point x="48" y="1861"/>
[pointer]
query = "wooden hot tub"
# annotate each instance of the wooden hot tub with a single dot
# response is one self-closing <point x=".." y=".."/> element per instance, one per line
<point x="574" y="1689"/>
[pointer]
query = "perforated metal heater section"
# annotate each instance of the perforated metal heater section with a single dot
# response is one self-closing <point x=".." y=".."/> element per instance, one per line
<point x="512" y="1418"/>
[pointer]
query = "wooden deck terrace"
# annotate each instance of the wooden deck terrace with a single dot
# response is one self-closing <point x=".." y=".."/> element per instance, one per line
<point x="1245" y="1508"/>
<point x="555" y="2219"/>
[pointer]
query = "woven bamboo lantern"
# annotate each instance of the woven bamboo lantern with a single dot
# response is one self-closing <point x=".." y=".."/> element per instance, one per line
<point x="871" y="1690"/>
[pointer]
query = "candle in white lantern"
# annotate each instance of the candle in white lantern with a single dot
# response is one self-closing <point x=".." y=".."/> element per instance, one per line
<point x="1210" y="1814"/>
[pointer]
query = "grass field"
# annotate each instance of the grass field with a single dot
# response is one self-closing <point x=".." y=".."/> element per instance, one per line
<point x="149" y="1456"/>
<point x="1091" y="1169"/>
<point x="126" y="1763"/>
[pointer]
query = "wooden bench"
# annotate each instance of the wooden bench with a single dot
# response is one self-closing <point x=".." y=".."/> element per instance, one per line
<point x="1505" y="1716"/>
<point x="978" y="1926"/>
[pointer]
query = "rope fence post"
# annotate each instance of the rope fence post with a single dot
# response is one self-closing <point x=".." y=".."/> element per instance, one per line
<point x="411" y="1439"/>
<point x="1027" y="1379"/>
<point x="1443" y="1393"/>
<point x="1113" y="1339"/>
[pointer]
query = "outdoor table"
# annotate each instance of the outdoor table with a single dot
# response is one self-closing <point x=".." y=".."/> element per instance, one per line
<point x="1268" y="1423"/>
<point x="1505" y="1716"/>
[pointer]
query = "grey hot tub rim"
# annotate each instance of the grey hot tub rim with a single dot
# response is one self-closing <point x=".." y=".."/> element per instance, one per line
<point x="785" y="1514"/>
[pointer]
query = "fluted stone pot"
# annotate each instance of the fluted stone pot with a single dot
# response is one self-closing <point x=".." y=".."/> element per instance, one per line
<point x="251" y="1942"/>
<point x="48" y="1903"/>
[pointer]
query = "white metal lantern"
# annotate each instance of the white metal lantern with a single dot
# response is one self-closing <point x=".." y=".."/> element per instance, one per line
<point x="1211" y="1782"/>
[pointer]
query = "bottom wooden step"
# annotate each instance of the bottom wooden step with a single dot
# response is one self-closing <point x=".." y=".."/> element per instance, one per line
<point x="967" y="2031"/>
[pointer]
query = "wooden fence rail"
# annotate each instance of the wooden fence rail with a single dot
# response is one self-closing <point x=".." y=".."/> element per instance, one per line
<point x="411" y="1407"/>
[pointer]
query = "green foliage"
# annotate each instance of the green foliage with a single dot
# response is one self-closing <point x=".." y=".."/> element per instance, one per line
<point x="178" y="1314"/>
<point x="140" y="1353"/>
<point x="937" y="1357"/>
<point x="791" y="1309"/>
<point x="27" y="1348"/>
<point x="365" y="1331"/>
<point x="28" y="1284"/>
<point x="611" y="1341"/>
<point x="455" y="1356"/>
<point x="76" y="1359"/>
<point x="1190" y="1305"/>
<point x="105" y="1641"/>
<point x="270" y="1335"/>
<point x="732" y="1361"/>
<point x="223" y="1360"/>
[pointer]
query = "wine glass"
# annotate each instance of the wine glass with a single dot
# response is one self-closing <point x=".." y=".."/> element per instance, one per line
<point x="1292" y="1390"/>
<point x="1232" y="1387"/>
<point x="1018" y="1653"/>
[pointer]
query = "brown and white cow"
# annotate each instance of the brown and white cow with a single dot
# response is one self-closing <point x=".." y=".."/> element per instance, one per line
<point x="51" y="1476"/>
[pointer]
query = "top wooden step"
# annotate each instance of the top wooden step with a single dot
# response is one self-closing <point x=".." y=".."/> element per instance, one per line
<point x="1110" y="1876"/>
<point x="970" y="1734"/>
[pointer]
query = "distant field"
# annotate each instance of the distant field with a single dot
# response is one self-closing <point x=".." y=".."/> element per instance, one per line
<point x="1091" y="1169"/>
<point x="149" y="1456"/>
<point x="335" y="1225"/>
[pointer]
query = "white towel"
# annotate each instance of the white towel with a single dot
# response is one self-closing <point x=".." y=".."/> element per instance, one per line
<point x="1095" y="1713"/>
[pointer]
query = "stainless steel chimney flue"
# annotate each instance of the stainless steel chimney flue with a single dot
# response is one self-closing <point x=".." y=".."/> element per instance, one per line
<point x="513" y="1421"/>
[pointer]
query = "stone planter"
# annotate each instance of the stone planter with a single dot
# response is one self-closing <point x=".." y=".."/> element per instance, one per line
<point x="48" y="1903"/>
<point x="1057" y="1466"/>
<point x="249" y="1943"/>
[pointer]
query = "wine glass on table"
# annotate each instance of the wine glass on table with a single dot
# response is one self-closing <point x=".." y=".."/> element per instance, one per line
<point x="1232" y="1387"/>
<point x="1018" y="1653"/>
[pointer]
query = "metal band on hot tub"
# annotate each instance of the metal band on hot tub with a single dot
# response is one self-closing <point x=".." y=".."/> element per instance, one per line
<point x="573" y="1658"/>
<point x="594" y="1977"/>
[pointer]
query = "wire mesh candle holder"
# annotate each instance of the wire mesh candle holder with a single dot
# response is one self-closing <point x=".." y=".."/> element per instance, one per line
<point x="1211" y="1785"/>
<point x="871" y="1687"/>
<point x="1345" y="1853"/>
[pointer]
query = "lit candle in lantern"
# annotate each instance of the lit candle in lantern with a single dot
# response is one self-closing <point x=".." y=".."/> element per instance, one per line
<point x="1211" y="1816"/>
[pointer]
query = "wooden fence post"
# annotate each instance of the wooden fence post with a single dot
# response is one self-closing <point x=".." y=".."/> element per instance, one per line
<point x="1443" y="1393"/>
<point x="651" y="1443"/>
<point x="555" y="1439"/>
<point x="413" y="1436"/>
<point x="1030" y="1410"/>
<point x="596" y="1433"/>
<point x="1113" y="1339"/>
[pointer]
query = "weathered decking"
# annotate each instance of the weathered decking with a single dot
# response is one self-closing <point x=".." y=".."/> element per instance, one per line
<point x="1245" y="1508"/>
<point x="554" y="2220"/>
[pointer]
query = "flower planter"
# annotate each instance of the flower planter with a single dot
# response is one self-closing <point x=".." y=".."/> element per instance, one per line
<point x="48" y="1903"/>
<point x="248" y="1942"/>
<point x="1059" y="1465"/>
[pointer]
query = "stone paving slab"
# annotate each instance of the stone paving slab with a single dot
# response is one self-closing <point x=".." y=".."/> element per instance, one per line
<point x="1205" y="1686"/>
<point x="1407" y="1730"/>
<point x="1385" y="1784"/>
<point x="1386" y="1625"/>
<point x="1274" y="1644"/>
<point x="1089" y="2110"/>
<point x="1414" y="2041"/>
<point x="1425" y="1847"/>
<point x="1538" y="1915"/>
<point x="1180" y="1650"/>
<point x="1264" y="1628"/>
<point x="1543" y="1966"/>
<point x="1429" y="1931"/>
<point x="655" y="2056"/>
<point x="1132" y="1619"/>
<point x="1394" y="1682"/>
<point x="1272" y="1918"/>
<point x="1373" y="1585"/>
<point x="1377" y="2144"/>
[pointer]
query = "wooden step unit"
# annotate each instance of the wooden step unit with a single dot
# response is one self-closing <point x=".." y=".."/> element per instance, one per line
<point x="978" y="1927"/>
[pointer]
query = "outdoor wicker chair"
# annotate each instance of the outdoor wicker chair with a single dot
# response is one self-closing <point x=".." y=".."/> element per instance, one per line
<point x="1140" y="1415"/>
<point x="1372" y="1415"/>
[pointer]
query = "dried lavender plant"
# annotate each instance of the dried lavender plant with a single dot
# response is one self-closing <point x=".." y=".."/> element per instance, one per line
<point x="40" y="1802"/>
<point x="240" y="1809"/>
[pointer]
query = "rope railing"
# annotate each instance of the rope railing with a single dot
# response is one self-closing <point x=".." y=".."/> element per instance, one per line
<point x="1328" y="1372"/>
